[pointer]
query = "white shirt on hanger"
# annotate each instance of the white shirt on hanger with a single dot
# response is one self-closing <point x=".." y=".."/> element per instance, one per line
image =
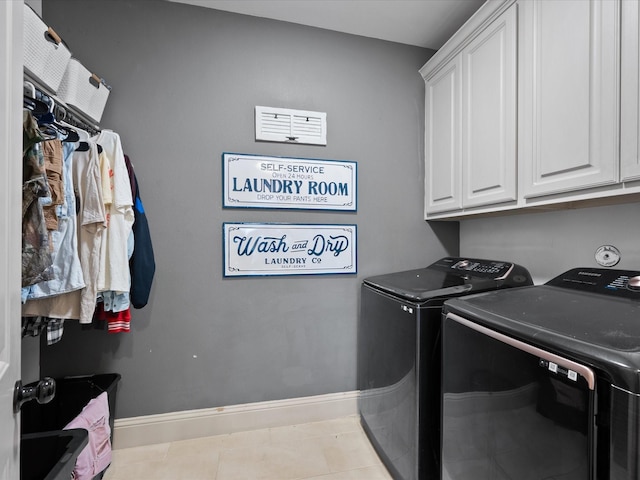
<point x="114" y="272"/>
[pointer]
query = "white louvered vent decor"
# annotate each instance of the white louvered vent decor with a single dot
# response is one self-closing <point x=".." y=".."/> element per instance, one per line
<point x="291" y="126"/>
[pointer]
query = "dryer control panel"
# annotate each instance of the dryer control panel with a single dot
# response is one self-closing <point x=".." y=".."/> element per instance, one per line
<point x="620" y="283"/>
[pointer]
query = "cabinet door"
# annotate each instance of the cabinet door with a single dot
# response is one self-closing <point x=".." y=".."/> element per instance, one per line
<point x="443" y="139"/>
<point x="489" y="114"/>
<point x="568" y="137"/>
<point x="630" y="92"/>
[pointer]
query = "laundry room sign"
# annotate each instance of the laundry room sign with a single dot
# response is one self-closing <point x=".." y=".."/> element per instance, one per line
<point x="288" y="249"/>
<point x="253" y="181"/>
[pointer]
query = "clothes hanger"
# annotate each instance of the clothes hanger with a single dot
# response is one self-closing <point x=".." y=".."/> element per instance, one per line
<point x="70" y="121"/>
<point x="51" y="118"/>
<point x="71" y="135"/>
<point x="83" y="147"/>
<point x="49" y="115"/>
<point x="48" y="124"/>
<point x="30" y="102"/>
<point x="36" y="107"/>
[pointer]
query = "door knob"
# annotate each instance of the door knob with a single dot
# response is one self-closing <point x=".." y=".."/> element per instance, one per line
<point x="42" y="391"/>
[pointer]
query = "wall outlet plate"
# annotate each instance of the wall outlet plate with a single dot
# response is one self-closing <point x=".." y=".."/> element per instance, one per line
<point x="607" y="255"/>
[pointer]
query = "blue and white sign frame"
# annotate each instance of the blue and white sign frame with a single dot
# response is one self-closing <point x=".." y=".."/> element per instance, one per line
<point x="254" y="181"/>
<point x="256" y="249"/>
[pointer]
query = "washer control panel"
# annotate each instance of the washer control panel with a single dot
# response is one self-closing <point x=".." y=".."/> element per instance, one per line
<point x="475" y="267"/>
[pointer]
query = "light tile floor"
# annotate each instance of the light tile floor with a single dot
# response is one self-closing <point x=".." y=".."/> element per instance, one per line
<point x="330" y="450"/>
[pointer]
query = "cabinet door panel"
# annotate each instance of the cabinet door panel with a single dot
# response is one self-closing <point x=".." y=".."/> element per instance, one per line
<point x="569" y="95"/>
<point x="630" y="92"/>
<point x="442" y="174"/>
<point x="489" y="114"/>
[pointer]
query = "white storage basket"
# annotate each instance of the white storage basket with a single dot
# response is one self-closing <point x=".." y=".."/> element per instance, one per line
<point x="83" y="90"/>
<point x="45" y="55"/>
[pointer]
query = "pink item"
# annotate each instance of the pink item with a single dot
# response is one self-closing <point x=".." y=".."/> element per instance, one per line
<point x="96" y="456"/>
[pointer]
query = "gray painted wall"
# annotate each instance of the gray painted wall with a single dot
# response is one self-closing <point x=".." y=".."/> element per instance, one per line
<point x="185" y="82"/>
<point x="551" y="243"/>
<point x="36" y="5"/>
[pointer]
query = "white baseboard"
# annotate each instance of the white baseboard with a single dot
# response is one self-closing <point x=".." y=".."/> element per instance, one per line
<point x="174" y="426"/>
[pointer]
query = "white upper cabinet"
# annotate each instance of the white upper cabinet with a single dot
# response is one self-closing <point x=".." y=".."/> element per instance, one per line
<point x="534" y="104"/>
<point x="470" y="105"/>
<point x="489" y="125"/>
<point x="568" y="104"/>
<point x="443" y="140"/>
<point x="630" y="92"/>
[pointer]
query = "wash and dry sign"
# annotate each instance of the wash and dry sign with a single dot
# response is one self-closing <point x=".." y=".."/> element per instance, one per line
<point x="288" y="249"/>
<point x="254" y="181"/>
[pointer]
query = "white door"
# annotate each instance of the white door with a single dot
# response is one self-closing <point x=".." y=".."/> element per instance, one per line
<point x="10" y="230"/>
<point x="443" y="99"/>
<point x="489" y="76"/>
<point x="630" y="92"/>
<point x="569" y="85"/>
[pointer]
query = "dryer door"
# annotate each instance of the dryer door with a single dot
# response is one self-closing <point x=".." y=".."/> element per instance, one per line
<point x="511" y="410"/>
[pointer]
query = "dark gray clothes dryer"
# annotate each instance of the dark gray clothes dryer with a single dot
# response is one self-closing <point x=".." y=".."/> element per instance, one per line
<point x="399" y="355"/>
<point x="544" y="380"/>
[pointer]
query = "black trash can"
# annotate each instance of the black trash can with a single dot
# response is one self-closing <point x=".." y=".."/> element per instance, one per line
<point x="72" y="395"/>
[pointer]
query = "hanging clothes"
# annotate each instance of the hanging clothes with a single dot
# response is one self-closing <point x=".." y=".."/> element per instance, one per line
<point x="79" y="209"/>
<point x="114" y="272"/>
<point x="106" y="179"/>
<point x="142" y="263"/>
<point x="45" y="298"/>
<point x="117" y="322"/>
<point x="88" y="200"/>
<point x="54" y="167"/>
<point x="35" y="326"/>
<point x="92" y="223"/>
<point x="36" y="257"/>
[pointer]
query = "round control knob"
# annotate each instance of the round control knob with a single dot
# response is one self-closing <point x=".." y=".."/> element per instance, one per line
<point x="634" y="283"/>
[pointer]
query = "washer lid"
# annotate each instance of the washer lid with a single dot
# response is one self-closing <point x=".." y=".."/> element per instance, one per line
<point x="601" y="330"/>
<point x="450" y="277"/>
